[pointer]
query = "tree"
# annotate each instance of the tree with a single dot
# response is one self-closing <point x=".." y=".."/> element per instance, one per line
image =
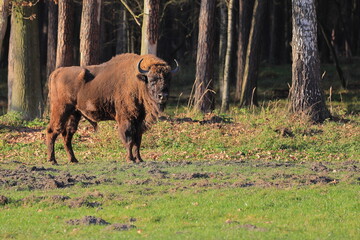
<point x="204" y="94"/>
<point x="24" y="82"/>
<point x="276" y="31"/>
<point x="306" y="94"/>
<point x="51" y="37"/>
<point x="4" y="13"/>
<point x="245" y="13"/>
<point x="222" y="40"/>
<point x="249" y="84"/>
<point x="90" y="32"/>
<point x="64" y="53"/>
<point x="150" y="27"/>
<point x="229" y="49"/>
<point x="122" y="32"/>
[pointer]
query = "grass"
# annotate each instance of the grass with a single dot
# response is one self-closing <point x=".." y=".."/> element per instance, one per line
<point x="265" y="175"/>
<point x="252" y="213"/>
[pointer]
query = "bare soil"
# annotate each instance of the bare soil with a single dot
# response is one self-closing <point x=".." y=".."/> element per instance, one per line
<point x="181" y="175"/>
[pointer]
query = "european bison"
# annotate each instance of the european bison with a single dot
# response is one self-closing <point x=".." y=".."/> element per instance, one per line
<point x="129" y="88"/>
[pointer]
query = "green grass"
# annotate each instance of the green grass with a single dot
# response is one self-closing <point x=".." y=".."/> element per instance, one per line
<point x="252" y="213"/>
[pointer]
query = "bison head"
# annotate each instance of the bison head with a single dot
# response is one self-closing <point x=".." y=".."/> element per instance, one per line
<point x="157" y="78"/>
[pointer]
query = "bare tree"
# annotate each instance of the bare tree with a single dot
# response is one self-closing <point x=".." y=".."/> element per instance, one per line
<point x="306" y="93"/>
<point x="64" y="54"/>
<point x="150" y="27"/>
<point x="24" y="82"/>
<point x="204" y="94"/>
<point x="228" y="57"/>
<point x="90" y="32"/>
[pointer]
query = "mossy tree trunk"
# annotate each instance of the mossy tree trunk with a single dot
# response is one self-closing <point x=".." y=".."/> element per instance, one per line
<point x="90" y="32"/>
<point x="24" y="82"/>
<point x="306" y="94"/>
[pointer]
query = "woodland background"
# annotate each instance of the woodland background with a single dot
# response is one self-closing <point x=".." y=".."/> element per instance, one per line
<point x="176" y="34"/>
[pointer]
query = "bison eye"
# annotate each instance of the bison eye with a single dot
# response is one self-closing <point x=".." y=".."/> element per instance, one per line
<point x="153" y="81"/>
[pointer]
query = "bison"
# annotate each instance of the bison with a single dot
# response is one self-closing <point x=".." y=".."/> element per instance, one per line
<point x="130" y="89"/>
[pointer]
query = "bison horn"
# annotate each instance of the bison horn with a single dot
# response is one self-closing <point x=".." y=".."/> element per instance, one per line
<point x="139" y="68"/>
<point x="177" y="67"/>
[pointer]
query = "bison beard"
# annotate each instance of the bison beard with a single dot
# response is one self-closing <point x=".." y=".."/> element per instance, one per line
<point x="129" y="88"/>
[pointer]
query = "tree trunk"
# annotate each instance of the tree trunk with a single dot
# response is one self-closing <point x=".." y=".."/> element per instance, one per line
<point x="277" y="32"/>
<point x="51" y="37"/>
<point x="122" y="32"/>
<point x="204" y="94"/>
<point x="24" y="82"/>
<point x="4" y="13"/>
<point x="222" y="42"/>
<point x="249" y="84"/>
<point x="65" y="53"/>
<point x="245" y="13"/>
<point x="306" y="94"/>
<point x="150" y="27"/>
<point x="90" y="32"/>
<point x="228" y="58"/>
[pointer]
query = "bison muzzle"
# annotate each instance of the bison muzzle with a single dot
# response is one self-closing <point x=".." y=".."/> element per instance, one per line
<point x="130" y="89"/>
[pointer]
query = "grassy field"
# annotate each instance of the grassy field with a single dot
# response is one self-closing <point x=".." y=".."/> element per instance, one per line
<point x="252" y="174"/>
<point x="256" y="173"/>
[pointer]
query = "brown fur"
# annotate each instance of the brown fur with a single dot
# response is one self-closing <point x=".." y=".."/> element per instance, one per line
<point x="114" y="90"/>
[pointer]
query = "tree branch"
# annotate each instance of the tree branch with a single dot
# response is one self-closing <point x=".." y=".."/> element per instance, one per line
<point x="131" y="12"/>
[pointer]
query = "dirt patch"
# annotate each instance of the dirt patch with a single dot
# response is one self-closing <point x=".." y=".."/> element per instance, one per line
<point x="252" y="228"/>
<point x="3" y="200"/>
<point x="120" y="227"/>
<point x="190" y="176"/>
<point x="178" y="176"/>
<point x="320" y="167"/>
<point x="82" y="202"/>
<point x="322" y="180"/>
<point x="28" y="178"/>
<point x="87" y="220"/>
<point x="59" y="198"/>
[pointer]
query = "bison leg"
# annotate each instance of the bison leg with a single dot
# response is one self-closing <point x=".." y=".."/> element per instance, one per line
<point x="138" y="137"/>
<point x="126" y="131"/>
<point x="58" y="120"/>
<point x="68" y="134"/>
<point x="51" y="136"/>
<point x="55" y="127"/>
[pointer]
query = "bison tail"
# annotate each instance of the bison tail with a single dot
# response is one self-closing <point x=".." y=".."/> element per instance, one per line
<point x="93" y="124"/>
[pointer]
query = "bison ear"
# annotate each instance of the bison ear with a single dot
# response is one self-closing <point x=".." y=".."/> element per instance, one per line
<point x="142" y="77"/>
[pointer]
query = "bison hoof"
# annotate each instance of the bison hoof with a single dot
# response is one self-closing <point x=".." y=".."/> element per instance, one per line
<point x="74" y="160"/>
<point x="53" y="162"/>
<point x="139" y="160"/>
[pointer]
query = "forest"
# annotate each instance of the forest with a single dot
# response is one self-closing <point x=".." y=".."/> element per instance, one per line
<point x="258" y="137"/>
<point x="242" y="40"/>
